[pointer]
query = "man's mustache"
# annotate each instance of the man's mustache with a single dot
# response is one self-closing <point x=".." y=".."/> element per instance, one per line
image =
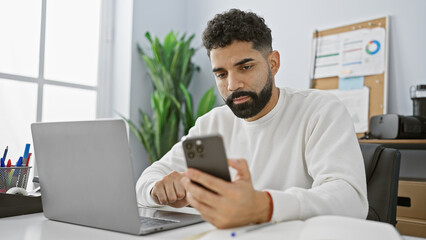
<point x="237" y="94"/>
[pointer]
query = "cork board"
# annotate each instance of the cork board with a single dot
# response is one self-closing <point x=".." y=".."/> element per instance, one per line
<point x="376" y="83"/>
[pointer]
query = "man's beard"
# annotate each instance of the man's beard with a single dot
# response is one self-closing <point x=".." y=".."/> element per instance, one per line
<point x="253" y="106"/>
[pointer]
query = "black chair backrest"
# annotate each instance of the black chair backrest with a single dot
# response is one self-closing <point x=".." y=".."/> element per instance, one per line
<point x="382" y="173"/>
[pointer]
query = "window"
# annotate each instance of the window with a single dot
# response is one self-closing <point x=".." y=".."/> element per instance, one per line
<point x="54" y="61"/>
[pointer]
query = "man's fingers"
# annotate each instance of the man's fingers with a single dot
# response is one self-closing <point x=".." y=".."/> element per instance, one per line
<point x="169" y="189"/>
<point x="242" y="168"/>
<point x="159" y="193"/>
<point x="203" y="195"/>
<point x="171" y="194"/>
<point x="204" y="209"/>
<point x="213" y="183"/>
<point x="179" y="189"/>
<point x="174" y="181"/>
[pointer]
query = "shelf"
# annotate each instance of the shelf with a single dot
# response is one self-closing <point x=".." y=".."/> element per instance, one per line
<point x="398" y="143"/>
<point x="403" y="141"/>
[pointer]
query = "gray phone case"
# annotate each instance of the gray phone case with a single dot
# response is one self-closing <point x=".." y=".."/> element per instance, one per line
<point x="207" y="154"/>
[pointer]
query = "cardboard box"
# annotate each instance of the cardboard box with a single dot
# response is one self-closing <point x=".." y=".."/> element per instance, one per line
<point x="411" y="199"/>
<point x="411" y="227"/>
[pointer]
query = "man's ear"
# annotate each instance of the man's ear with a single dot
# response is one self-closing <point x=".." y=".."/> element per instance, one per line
<point x="274" y="61"/>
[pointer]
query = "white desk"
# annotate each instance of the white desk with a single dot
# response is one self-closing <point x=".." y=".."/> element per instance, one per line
<point x="37" y="227"/>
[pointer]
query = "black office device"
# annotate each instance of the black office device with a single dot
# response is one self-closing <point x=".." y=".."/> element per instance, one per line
<point x="418" y="95"/>
<point x="393" y="126"/>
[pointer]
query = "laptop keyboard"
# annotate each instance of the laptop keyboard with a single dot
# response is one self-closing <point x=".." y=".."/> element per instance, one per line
<point x="154" y="222"/>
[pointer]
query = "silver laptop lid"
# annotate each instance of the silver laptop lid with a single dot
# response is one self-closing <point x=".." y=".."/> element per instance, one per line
<point x="86" y="174"/>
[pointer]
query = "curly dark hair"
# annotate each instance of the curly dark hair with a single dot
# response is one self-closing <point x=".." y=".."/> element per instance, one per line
<point x="237" y="25"/>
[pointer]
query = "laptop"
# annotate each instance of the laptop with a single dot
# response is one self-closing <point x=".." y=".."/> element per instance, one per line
<point x="86" y="178"/>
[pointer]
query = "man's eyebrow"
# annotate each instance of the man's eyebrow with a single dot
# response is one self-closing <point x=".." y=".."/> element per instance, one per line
<point x="218" y="69"/>
<point x="245" y="60"/>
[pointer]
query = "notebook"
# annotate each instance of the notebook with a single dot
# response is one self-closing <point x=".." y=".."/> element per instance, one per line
<point x="86" y="178"/>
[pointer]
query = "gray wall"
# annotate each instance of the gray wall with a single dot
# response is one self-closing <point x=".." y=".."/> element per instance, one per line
<point x="292" y="24"/>
<point x="131" y="84"/>
<point x="158" y="19"/>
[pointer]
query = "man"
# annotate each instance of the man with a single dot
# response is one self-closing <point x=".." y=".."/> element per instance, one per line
<point x="295" y="152"/>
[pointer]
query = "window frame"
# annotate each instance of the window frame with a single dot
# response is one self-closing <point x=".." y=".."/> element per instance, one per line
<point x="103" y="88"/>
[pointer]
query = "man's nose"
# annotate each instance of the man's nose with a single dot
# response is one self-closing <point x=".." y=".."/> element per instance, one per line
<point x="234" y="82"/>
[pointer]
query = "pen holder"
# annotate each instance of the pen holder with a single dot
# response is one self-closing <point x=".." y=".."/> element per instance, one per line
<point x="13" y="177"/>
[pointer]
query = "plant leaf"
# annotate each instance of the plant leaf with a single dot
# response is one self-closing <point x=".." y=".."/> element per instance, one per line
<point x="207" y="102"/>
<point x="171" y="70"/>
<point x="188" y="116"/>
<point x="148" y="36"/>
<point x="169" y="44"/>
<point x="157" y="50"/>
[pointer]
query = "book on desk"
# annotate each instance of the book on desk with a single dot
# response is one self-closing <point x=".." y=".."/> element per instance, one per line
<point x="316" y="228"/>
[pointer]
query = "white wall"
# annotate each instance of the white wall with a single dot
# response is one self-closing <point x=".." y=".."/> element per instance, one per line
<point x="292" y="24"/>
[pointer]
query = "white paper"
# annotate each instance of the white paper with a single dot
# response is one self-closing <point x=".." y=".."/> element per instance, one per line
<point x="362" y="52"/>
<point x="327" y="56"/>
<point x="352" y="48"/>
<point x="354" y="53"/>
<point x="375" y="60"/>
<point x="357" y="104"/>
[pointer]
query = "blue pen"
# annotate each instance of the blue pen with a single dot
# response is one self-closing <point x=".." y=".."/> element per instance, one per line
<point x="27" y="150"/>
<point x="250" y="228"/>
<point x="5" y="153"/>
<point x="19" y="162"/>
<point x="2" y="176"/>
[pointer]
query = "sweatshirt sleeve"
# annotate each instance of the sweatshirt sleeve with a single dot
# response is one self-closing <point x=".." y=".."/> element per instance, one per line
<point x="334" y="161"/>
<point x="174" y="160"/>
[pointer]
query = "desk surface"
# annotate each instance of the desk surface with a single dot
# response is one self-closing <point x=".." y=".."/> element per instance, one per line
<point x="37" y="227"/>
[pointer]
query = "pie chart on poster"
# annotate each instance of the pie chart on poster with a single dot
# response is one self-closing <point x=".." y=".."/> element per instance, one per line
<point x="373" y="47"/>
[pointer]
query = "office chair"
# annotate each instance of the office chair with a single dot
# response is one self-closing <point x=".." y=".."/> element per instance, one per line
<point x="382" y="173"/>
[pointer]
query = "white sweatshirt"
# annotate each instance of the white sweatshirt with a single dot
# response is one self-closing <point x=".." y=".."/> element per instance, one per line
<point x="304" y="152"/>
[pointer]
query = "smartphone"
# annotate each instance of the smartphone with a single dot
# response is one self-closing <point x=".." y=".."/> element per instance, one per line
<point x="207" y="154"/>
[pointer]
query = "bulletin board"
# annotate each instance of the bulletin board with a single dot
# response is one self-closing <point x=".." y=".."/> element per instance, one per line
<point x="377" y="83"/>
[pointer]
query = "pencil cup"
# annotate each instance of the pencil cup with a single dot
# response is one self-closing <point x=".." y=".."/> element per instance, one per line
<point x="13" y="177"/>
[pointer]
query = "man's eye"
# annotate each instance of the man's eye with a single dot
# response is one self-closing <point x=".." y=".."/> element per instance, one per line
<point x="220" y="75"/>
<point x="247" y="67"/>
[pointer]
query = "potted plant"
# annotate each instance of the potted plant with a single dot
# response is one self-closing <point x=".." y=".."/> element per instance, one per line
<point x="170" y="69"/>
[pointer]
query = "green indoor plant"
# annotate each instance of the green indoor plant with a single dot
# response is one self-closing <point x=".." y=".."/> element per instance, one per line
<point x="170" y="69"/>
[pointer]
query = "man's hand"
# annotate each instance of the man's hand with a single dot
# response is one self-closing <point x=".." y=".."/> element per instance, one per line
<point x="170" y="191"/>
<point x="231" y="204"/>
